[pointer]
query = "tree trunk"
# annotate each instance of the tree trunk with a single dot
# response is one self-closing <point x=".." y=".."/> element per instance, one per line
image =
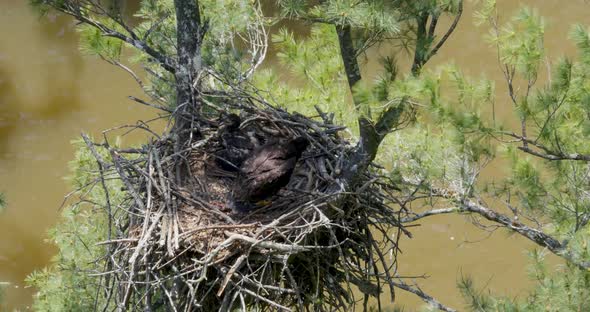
<point x="188" y="29"/>
<point x="189" y="33"/>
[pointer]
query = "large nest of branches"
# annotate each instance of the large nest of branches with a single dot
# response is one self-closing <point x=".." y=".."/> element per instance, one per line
<point x="314" y="245"/>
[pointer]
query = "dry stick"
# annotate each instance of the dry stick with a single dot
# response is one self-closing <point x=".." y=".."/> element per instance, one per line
<point x="248" y="281"/>
<point x="143" y="241"/>
<point x="269" y="245"/>
<point x="243" y="303"/>
<point x="147" y="213"/>
<point x="384" y="262"/>
<point x="167" y="293"/>
<point x="116" y="158"/>
<point x="176" y="227"/>
<point x="165" y="192"/>
<point x="228" y="301"/>
<point x="170" y="230"/>
<point x="116" y="241"/>
<point x="272" y="303"/>
<point x="159" y="266"/>
<point x="219" y="226"/>
<point x="230" y="273"/>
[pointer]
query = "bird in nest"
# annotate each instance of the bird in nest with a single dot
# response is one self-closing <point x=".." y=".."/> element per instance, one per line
<point x="265" y="172"/>
<point x="236" y="145"/>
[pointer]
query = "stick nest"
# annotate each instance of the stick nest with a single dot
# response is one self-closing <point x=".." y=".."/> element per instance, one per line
<point x="314" y="245"/>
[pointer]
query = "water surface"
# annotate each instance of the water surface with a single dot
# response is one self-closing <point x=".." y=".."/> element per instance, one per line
<point x="49" y="93"/>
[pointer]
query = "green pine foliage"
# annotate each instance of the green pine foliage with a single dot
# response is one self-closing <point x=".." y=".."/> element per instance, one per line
<point x="69" y="284"/>
<point x="321" y="79"/>
<point x="2" y="284"/>
<point x="228" y="23"/>
<point x="565" y="290"/>
<point x="94" y="43"/>
<point x="2" y="202"/>
<point x="2" y="289"/>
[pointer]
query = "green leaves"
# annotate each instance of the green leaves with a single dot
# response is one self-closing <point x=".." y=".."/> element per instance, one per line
<point x="292" y="8"/>
<point x="316" y="73"/>
<point x="228" y="18"/>
<point x="485" y="12"/>
<point x="2" y="202"/>
<point x="42" y="7"/>
<point x="477" y="300"/>
<point x="66" y="286"/>
<point x="581" y="37"/>
<point x="94" y="42"/>
<point x="521" y="43"/>
<point x="373" y="16"/>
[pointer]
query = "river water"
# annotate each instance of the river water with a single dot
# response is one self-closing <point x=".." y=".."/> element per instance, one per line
<point x="50" y="93"/>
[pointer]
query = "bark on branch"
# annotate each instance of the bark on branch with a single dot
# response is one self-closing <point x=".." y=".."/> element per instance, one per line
<point x="366" y="149"/>
<point x="373" y="132"/>
<point x="538" y="237"/>
<point x="543" y="151"/>
<point x="555" y="156"/>
<point x="424" y="38"/>
<point x="348" y="52"/>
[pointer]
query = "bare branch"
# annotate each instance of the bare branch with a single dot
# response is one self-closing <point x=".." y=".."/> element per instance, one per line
<point x="448" y="33"/>
<point x="429" y="213"/>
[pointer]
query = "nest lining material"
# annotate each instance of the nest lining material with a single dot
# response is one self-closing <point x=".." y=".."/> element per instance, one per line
<point x="208" y="221"/>
<point x="304" y="248"/>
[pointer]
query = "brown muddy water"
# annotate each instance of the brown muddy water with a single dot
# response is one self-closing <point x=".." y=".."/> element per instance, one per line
<point x="49" y="93"/>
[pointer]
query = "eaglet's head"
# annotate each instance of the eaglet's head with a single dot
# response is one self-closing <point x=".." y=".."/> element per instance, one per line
<point x="298" y="145"/>
<point x="232" y="122"/>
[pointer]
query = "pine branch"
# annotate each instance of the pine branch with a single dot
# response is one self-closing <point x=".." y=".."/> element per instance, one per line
<point x="433" y="212"/>
<point x="546" y="153"/>
<point x="166" y="62"/>
<point x="420" y="53"/>
<point x="555" y="156"/>
<point x="389" y="119"/>
<point x="534" y="235"/>
<point x="423" y="38"/>
<point x="366" y="149"/>
<point x="538" y="237"/>
<point x="372" y="133"/>
<point x="424" y="296"/>
<point x="348" y="53"/>
<point x="448" y="33"/>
